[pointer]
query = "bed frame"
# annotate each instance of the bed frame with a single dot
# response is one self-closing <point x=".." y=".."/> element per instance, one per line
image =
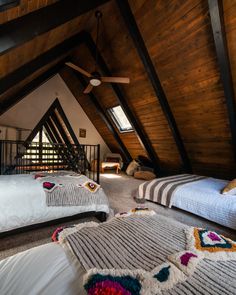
<point x="101" y="216"/>
<point x="18" y="157"/>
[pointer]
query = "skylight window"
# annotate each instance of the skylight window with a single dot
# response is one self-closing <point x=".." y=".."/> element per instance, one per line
<point x="120" y="119"/>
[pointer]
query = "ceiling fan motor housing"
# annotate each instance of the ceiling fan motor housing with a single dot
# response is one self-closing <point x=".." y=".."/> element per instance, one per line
<point x="96" y="79"/>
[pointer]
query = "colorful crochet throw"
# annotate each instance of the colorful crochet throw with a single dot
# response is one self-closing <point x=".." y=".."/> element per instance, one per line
<point x="112" y="269"/>
<point x="211" y="244"/>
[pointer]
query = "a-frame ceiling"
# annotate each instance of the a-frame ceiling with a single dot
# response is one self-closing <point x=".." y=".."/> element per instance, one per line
<point x="180" y="45"/>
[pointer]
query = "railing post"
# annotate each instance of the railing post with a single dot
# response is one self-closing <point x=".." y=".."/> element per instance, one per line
<point x="98" y="163"/>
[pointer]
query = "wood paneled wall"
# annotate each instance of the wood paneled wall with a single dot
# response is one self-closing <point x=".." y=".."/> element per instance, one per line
<point x="179" y="39"/>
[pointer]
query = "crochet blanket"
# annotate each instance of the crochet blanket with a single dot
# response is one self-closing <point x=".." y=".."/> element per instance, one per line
<point x="150" y="255"/>
<point x="162" y="190"/>
<point x="72" y="190"/>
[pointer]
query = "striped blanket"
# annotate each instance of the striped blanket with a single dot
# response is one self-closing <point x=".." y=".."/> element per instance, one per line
<point x="162" y="190"/>
<point x="72" y="190"/>
<point x="150" y="253"/>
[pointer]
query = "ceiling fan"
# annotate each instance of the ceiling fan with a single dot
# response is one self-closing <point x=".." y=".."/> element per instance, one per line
<point x="95" y="78"/>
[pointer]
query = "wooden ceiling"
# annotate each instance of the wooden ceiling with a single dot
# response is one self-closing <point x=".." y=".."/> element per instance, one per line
<point x="179" y="39"/>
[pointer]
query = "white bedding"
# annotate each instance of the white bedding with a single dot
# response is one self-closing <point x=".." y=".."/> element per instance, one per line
<point x="23" y="202"/>
<point x="43" y="270"/>
<point x="203" y="198"/>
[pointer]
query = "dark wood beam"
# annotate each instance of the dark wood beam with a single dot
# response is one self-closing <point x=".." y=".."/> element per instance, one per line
<point x="55" y="133"/>
<point x="140" y="46"/>
<point x="42" y="121"/>
<point x="50" y="134"/>
<point x="7" y="4"/>
<point x="218" y="29"/>
<point x="25" y="28"/>
<point x="30" y="87"/>
<point x="67" y="123"/>
<point x="106" y="120"/>
<point x="60" y="129"/>
<point x="39" y="62"/>
<point x="143" y="138"/>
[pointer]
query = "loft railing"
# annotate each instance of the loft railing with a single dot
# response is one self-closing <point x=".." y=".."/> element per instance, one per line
<point x="18" y="157"/>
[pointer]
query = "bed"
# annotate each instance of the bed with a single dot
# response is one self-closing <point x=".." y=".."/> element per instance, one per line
<point x="196" y="194"/>
<point x="23" y="201"/>
<point x="181" y="266"/>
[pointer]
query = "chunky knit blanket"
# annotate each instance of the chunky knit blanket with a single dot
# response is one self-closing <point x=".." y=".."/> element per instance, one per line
<point x="152" y="255"/>
<point x="72" y="190"/>
<point x="161" y="190"/>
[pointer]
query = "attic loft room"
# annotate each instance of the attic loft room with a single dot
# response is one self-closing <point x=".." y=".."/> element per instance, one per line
<point x="117" y="147"/>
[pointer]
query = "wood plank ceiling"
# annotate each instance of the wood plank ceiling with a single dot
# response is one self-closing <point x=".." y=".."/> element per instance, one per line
<point x="179" y="40"/>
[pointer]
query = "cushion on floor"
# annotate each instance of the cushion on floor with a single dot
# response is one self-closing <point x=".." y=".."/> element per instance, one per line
<point x="146" y="175"/>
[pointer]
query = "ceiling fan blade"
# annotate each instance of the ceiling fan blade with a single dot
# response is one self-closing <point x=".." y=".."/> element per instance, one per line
<point x="115" y="79"/>
<point x="88" y="89"/>
<point x="73" y="66"/>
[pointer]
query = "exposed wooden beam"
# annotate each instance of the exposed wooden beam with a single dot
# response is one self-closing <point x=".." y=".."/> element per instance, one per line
<point x="7" y="4"/>
<point x="143" y="138"/>
<point x="50" y="133"/>
<point x="31" y="86"/>
<point x="106" y="120"/>
<point x="25" y="28"/>
<point x="53" y="130"/>
<point x="40" y="61"/>
<point x="60" y="129"/>
<point x="140" y="46"/>
<point x="67" y="123"/>
<point x="218" y="29"/>
<point x="42" y="121"/>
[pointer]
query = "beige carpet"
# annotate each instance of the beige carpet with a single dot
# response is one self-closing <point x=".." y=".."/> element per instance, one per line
<point x="120" y="190"/>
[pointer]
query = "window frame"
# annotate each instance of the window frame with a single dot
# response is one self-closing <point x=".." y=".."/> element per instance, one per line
<point x="110" y="111"/>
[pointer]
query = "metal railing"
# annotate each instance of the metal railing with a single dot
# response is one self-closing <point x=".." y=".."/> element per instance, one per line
<point x="18" y="157"/>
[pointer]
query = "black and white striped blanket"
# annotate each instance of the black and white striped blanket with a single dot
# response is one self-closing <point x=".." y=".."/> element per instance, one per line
<point x="162" y="190"/>
<point x="142" y="245"/>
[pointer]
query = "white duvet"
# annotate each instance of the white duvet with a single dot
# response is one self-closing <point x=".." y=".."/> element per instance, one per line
<point x="23" y="202"/>
<point x="203" y="198"/>
<point x="43" y="270"/>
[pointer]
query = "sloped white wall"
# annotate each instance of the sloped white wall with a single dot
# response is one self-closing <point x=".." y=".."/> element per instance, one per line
<point x="28" y="112"/>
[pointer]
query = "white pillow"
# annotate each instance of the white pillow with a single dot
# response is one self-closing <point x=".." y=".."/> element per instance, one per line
<point x="132" y="168"/>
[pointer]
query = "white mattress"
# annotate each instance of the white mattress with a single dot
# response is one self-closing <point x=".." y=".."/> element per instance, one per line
<point x="23" y="202"/>
<point x="43" y="270"/>
<point x="203" y="198"/>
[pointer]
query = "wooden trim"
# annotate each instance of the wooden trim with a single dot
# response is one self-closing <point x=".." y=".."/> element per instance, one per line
<point x="42" y="60"/>
<point x="106" y="120"/>
<point x="143" y="138"/>
<point x="30" y="87"/>
<point x="20" y="30"/>
<point x="218" y="29"/>
<point x="140" y="46"/>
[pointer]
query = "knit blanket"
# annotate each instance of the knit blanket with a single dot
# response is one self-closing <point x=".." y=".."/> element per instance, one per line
<point x="72" y="190"/>
<point x="162" y="190"/>
<point x="150" y="255"/>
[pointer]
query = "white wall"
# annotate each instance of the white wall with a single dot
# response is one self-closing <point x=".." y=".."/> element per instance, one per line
<point x="28" y="112"/>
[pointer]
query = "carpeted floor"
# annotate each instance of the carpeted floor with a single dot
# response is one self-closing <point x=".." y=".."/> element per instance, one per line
<point x="120" y="190"/>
